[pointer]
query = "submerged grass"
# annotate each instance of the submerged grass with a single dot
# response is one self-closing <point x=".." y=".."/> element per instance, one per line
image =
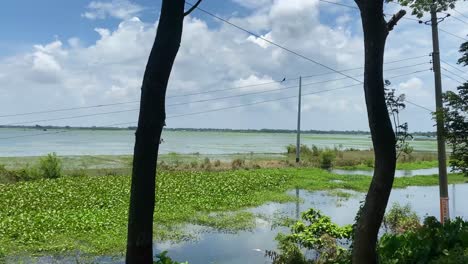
<point x="89" y="213"/>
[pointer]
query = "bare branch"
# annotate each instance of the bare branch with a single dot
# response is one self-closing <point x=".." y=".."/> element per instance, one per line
<point x="192" y="8"/>
<point x="394" y="20"/>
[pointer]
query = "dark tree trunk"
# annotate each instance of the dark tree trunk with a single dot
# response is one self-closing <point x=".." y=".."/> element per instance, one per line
<point x="375" y="30"/>
<point x="150" y="124"/>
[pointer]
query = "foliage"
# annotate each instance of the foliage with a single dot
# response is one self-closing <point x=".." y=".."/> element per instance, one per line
<point x="162" y="258"/>
<point x="455" y="113"/>
<point x="326" y="159"/>
<point x="89" y="214"/>
<point x="400" y="219"/>
<point x="395" y="104"/>
<point x="50" y="166"/>
<point x="237" y="163"/>
<point x="432" y="243"/>
<point x="419" y="7"/>
<point x="316" y="232"/>
<point x="464" y="50"/>
<point x="24" y="174"/>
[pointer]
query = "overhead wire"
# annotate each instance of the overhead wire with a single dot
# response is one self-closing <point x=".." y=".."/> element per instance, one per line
<point x="453" y="67"/>
<point x="274" y="43"/>
<point x="189" y="94"/>
<point x="230" y="107"/>
<point x="455" y="74"/>
<point x="200" y="101"/>
<point x="453" y="79"/>
<point x="461" y="14"/>
<point x="451" y="34"/>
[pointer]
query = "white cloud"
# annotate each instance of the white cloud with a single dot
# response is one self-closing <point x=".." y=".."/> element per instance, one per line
<point x="121" y="9"/>
<point x="71" y="73"/>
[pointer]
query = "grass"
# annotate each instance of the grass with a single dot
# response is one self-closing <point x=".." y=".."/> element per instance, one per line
<point x="89" y="214"/>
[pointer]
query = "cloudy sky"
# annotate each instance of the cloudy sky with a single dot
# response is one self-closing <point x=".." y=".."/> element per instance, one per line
<point x="81" y="53"/>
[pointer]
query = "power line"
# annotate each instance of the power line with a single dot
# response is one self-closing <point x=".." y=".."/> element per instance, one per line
<point x="456" y="11"/>
<point x="189" y="94"/>
<point x="456" y="18"/>
<point x="418" y="105"/>
<point x="453" y="67"/>
<point x="355" y="7"/>
<point x="203" y="100"/>
<point x="223" y="108"/>
<point x="273" y="43"/>
<point x="451" y="34"/>
<point x="447" y="76"/>
<point x="455" y="74"/>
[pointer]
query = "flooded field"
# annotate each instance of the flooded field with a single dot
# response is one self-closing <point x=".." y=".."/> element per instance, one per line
<point x="19" y="142"/>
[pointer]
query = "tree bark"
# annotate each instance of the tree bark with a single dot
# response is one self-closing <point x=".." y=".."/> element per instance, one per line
<point x="383" y="137"/>
<point x="150" y="124"/>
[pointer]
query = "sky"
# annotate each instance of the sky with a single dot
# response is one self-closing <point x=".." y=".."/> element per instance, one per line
<point x="81" y="53"/>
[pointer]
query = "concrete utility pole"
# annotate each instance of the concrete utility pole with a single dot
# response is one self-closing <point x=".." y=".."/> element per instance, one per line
<point x="298" y="142"/>
<point x="443" y="188"/>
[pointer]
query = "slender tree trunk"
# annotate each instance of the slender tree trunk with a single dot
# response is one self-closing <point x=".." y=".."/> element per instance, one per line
<point x="150" y="124"/>
<point x="383" y="137"/>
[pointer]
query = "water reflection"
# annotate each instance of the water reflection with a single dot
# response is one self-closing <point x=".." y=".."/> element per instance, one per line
<point x="398" y="173"/>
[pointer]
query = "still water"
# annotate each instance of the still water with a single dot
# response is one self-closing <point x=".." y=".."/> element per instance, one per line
<point x="249" y="246"/>
<point x="398" y="173"/>
<point x="33" y="142"/>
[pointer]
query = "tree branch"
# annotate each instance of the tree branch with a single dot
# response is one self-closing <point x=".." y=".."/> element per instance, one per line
<point x="192" y="8"/>
<point x="394" y="20"/>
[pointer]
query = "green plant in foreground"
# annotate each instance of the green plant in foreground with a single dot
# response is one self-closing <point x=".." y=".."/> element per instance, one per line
<point x="400" y="219"/>
<point x="89" y="214"/>
<point x="50" y="166"/>
<point x="316" y="232"/>
<point x="162" y="258"/>
<point x="433" y="242"/>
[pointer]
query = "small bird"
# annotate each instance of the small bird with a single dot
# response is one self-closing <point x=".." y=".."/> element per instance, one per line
<point x="284" y="79"/>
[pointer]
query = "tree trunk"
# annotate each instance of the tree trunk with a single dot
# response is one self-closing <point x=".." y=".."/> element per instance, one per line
<point x="150" y="124"/>
<point x="383" y="137"/>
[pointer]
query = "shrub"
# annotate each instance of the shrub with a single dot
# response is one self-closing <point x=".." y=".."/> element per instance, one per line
<point x="400" y="219"/>
<point x="369" y="163"/>
<point x="162" y="258"/>
<point x="237" y="163"/>
<point x="315" y="151"/>
<point x="316" y="232"/>
<point x="433" y="242"/>
<point x="194" y="164"/>
<point x="217" y="163"/>
<point x="50" y="167"/>
<point x="326" y="159"/>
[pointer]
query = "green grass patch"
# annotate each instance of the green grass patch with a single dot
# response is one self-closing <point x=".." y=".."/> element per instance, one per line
<point x="89" y="213"/>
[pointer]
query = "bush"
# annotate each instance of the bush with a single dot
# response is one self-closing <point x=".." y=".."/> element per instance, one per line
<point x="194" y="164"/>
<point x="162" y="258"/>
<point x="50" y="167"/>
<point x="369" y="163"/>
<point x="400" y="219"/>
<point x="237" y="163"/>
<point x="217" y="163"/>
<point x="431" y="243"/>
<point x="316" y="232"/>
<point x="327" y="158"/>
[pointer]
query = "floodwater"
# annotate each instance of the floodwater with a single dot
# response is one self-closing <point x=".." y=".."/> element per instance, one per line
<point x="34" y="142"/>
<point x="249" y="246"/>
<point x="398" y="173"/>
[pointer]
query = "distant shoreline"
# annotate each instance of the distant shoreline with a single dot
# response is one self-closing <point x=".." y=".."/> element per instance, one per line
<point x="338" y="132"/>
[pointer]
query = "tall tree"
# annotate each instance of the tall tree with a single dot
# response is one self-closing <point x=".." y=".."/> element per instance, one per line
<point x="456" y="120"/>
<point x="376" y="30"/>
<point x="151" y="121"/>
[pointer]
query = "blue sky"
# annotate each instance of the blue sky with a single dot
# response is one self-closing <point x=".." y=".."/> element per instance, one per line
<point x="35" y="22"/>
<point x="80" y="53"/>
